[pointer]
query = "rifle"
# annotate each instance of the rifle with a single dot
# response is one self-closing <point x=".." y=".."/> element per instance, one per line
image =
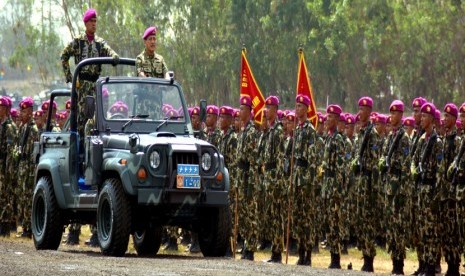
<point x="426" y="154"/>
<point x="393" y="147"/>
<point x="358" y="168"/>
<point x="415" y="142"/>
<point x="457" y="160"/>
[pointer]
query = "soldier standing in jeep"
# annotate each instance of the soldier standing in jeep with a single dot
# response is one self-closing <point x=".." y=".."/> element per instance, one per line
<point x="149" y="63"/>
<point x="87" y="45"/>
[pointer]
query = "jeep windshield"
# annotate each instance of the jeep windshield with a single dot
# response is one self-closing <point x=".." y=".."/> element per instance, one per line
<point x="135" y="106"/>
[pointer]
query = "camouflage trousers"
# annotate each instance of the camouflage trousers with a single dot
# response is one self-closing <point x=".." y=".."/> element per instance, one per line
<point x="261" y="215"/>
<point x="397" y="225"/>
<point x="303" y="210"/>
<point x="6" y="196"/>
<point x="367" y="219"/>
<point x="86" y="88"/>
<point x="26" y="188"/>
<point x="349" y="208"/>
<point x="334" y="215"/>
<point x="428" y="223"/>
<point x="276" y="210"/>
<point x="461" y="223"/>
<point x="247" y="209"/>
<point x="449" y="229"/>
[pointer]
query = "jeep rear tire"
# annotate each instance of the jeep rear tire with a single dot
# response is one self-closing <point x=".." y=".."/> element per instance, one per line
<point x="46" y="223"/>
<point x="113" y="218"/>
<point x="147" y="242"/>
<point x="214" y="231"/>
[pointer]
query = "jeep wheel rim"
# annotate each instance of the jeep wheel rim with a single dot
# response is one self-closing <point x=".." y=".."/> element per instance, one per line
<point x="39" y="215"/>
<point x="106" y="220"/>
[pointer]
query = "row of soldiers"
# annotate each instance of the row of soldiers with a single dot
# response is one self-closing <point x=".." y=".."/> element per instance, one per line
<point x="368" y="176"/>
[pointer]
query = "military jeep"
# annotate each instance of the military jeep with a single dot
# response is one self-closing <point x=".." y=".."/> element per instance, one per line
<point x="138" y="168"/>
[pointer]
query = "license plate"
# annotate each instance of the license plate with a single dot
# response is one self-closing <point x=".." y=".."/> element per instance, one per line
<point x="187" y="182"/>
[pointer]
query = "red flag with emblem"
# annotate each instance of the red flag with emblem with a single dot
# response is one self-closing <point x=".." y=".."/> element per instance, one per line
<point x="250" y="88"/>
<point x="304" y="87"/>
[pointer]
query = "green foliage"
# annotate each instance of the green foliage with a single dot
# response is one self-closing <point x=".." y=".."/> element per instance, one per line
<point x="385" y="49"/>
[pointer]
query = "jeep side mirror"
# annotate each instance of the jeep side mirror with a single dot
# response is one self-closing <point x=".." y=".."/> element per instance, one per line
<point x="203" y="110"/>
<point x="89" y="107"/>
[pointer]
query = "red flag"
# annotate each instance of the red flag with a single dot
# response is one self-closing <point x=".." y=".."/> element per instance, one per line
<point x="304" y="87"/>
<point x="250" y="88"/>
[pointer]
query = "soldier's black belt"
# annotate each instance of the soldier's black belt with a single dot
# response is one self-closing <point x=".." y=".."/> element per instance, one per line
<point x="270" y="166"/>
<point x="88" y="77"/>
<point x="428" y="181"/>
<point x="395" y="171"/>
<point x="301" y="162"/>
<point x="243" y="165"/>
<point x="366" y="172"/>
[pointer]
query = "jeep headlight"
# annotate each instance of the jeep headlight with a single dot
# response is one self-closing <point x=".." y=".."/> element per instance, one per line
<point x="154" y="159"/>
<point x="206" y="161"/>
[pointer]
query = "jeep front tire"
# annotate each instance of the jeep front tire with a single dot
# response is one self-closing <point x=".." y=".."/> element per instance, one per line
<point x="113" y="218"/>
<point x="214" y="231"/>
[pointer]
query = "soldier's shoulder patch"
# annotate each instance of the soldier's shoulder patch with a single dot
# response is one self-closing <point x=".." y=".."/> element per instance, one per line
<point x="406" y="150"/>
<point x="374" y="147"/>
<point x="440" y="156"/>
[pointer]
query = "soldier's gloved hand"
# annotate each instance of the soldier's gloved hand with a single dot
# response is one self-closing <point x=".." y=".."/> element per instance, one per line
<point x="69" y="78"/>
<point x="115" y="59"/>
<point x="354" y="166"/>
<point x="320" y="171"/>
<point x="382" y="164"/>
<point x="414" y="172"/>
<point x="450" y="170"/>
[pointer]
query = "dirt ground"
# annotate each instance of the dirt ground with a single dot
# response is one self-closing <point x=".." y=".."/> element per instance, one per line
<point x="19" y="257"/>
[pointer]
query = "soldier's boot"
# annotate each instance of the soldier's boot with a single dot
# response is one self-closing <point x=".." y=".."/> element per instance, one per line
<point x="430" y="270"/>
<point x="5" y="229"/>
<point x="368" y="264"/>
<point x="172" y="244"/>
<point x="345" y="250"/>
<point x="249" y="255"/>
<point x="26" y="233"/>
<point x="335" y="261"/>
<point x="453" y="268"/>
<point x="308" y="258"/>
<point x="93" y="241"/>
<point x="437" y="267"/>
<point x="316" y="247"/>
<point x="243" y="253"/>
<point x="264" y="244"/>
<point x="195" y="247"/>
<point x="397" y="267"/>
<point x="186" y="238"/>
<point x="73" y="237"/>
<point x="421" y="268"/>
<point x="300" y="261"/>
<point x="228" y="253"/>
<point x="276" y="257"/>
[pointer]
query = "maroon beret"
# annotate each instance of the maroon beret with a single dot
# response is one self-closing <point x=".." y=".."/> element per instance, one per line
<point x="290" y="116"/>
<point x="334" y="109"/>
<point x="350" y="120"/>
<point x="381" y="118"/>
<point x="418" y="102"/>
<point x="68" y="104"/>
<point x="365" y="101"/>
<point x="46" y="104"/>
<point x="213" y="109"/>
<point x="26" y="103"/>
<point x="409" y="121"/>
<point x="38" y="113"/>
<point x="397" y="105"/>
<point x="89" y="14"/>
<point x="303" y="99"/>
<point x="272" y="100"/>
<point x="451" y="109"/>
<point x="428" y="108"/>
<point x="226" y="110"/>
<point x="195" y="110"/>
<point x="14" y="113"/>
<point x="246" y="100"/>
<point x="149" y="31"/>
<point x="4" y="101"/>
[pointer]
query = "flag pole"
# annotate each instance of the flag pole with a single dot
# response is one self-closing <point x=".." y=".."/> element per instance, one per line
<point x="289" y="206"/>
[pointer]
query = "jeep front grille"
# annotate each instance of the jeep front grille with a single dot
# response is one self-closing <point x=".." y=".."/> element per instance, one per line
<point x="185" y="158"/>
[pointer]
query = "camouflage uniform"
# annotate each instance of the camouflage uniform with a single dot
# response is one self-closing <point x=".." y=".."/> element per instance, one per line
<point x="460" y="196"/>
<point x="81" y="48"/>
<point x="304" y="189"/>
<point x="275" y="203"/>
<point x="213" y="136"/>
<point x="152" y="65"/>
<point x="228" y="147"/>
<point x="333" y="190"/>
<point x="366" y="196"/>
<point x="348" y="207"/>
<point x="246" y="156"/>
<point x="398" y="191"/>
<point x="320" y="202"/>
<point x="260" y="190"/>
<point x="28" y="134"/>
<point x="428" y="199"/>
<point x="8" y="138"/>
<point x="378" y="189"/>
<point x="448" y="208"/>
